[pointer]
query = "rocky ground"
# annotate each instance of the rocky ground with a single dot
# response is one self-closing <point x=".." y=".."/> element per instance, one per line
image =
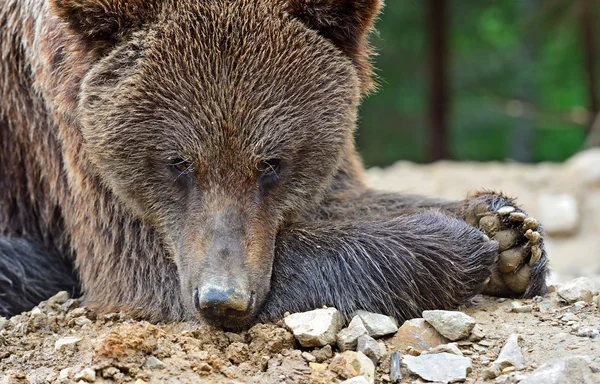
<point x="545" y="340"/>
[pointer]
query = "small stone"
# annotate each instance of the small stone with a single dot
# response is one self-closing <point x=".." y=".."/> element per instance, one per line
<point x="356" y="380"/>
<point x="579" y="289"/>
<point x="373" y="349"/>
<point x="418" y="334"/>
<point x="237" y="352"/>
<point x="518" y="307"/>
<point x="81" y="321"/>
<point x="395" y="374"/>
<point x="317" y="366"/>
<point x="308" y="357"/>
<point x="378" y="325"/>
<point x="453" y="325"/>
<point x="477" y="333"/>
<point x="323" y="354"/>
<point x="444" y="367"/>
<point x="88" y="374"/>
<point x="315" y="328"/>
<point x="510" y="356"/>
<point x="568" y="370"/>
<point x="65" y="342"/>
<point x="569" y="317"/>
<point x="3" y="322"/>
<point x="563" y="218"/>
<point x="60" y="298"/>
<point x="154" y="363"/>
<point x="351" y="364"/>
<point x="347" y="338"/>
<point x="448" y="348"/>
<point x="36" y="311"/>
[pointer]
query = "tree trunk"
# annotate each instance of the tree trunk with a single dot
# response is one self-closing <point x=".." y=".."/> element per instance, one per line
<point x="589" y="52"/>
<point x="438" y="82"/>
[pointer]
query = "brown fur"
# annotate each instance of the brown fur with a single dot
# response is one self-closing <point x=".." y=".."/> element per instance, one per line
<point x="98" y="96"/>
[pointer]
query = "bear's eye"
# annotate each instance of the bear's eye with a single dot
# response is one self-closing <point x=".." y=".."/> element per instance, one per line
<point x="180" y="165"/>
<point x="268" y="171"/>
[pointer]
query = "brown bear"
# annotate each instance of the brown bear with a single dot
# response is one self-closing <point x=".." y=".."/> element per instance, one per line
<point x="195" y="160"/>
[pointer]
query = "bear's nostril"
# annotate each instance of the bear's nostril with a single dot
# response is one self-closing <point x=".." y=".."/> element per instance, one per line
<point x="214" y="302"/>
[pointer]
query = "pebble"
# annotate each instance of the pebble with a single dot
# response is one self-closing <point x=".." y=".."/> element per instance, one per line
<point x="444" y="367"/>
<point x="317" y="366"/>
<point x="579" y="289"/>
<point x="395" y="374"/>
<point x="510" y="356"/>
<point x="453" y="325"/>
<point x="563" y="218"/>
<point x="477" y="333"/>
<point x="568" y="370"/>
<point x="66" y="341"/>
<point x="372" y="348"/>
<point x="418" y="334"/>
<point x="519" y="307"/>
<point x="351" y="364"/>
<point x="587" y="332"/>
<point x="154" y="363"/>
<point x="449" y="348"/>
<point x="309" y="357"/>
<point x="87" y="374"/>
<point x="378" y="325"/>
<point x="511" y="352"/>
<point x="569" y="317"/>
<point x="347" y="338"/>
<point x="315" y="328"/>
<point x="60" y="298"/>
<point x="323" y="354"/>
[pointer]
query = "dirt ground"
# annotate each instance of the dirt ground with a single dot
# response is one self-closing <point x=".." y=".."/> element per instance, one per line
<point x="61" y="341"/>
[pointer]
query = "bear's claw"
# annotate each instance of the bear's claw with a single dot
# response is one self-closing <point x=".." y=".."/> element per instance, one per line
<point x="520" y="269"/>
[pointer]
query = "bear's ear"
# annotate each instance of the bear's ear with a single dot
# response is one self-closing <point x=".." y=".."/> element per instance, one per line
<point x="104" y="21"/>
<point x="347" y="24"/>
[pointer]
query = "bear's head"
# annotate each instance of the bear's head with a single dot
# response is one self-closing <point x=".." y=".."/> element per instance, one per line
<point x="218" y="121"/>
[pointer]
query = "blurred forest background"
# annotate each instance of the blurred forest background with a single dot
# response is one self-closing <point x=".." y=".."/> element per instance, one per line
<point x="483" y="80"/>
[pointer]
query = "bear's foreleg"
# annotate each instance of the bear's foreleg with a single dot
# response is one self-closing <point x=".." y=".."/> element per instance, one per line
<point x="398" y="266"/>
<point x="29" y="275"/>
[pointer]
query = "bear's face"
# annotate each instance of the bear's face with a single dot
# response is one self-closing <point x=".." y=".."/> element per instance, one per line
<point x="216" y="123"/>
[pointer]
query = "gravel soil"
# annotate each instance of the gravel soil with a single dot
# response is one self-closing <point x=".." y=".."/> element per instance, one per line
<point x="61" y="341"/>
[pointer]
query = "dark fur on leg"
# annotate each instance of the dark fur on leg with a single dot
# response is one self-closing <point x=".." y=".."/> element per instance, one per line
<point x="400" y="266"/>
<point x="28" y="275"/>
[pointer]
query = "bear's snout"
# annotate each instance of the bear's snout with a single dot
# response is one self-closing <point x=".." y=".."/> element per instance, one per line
<point x="215" y="302"/>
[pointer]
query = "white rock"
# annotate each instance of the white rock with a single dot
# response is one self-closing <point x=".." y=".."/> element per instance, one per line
<point x="579" y="289"/>
<point x="584" y="166"/>
<point x="347" y="338"/>
<point x="154" y="363"/>
<point x="87" y="374"/>
<point x="372" y="348"/>
<point x="511" y="352"/>
<point x="453" y="325"/>
<point x="351" y="364"/>
<point x="443" y="367"/>
<point x="315" y="328"/>
<point x="60" y="298"/>
<point x="558" y="213"/>
<point x="378" y="325"/>
<point x="568" y="370"/>
<point x="449" y="348"/>
<point x="66" y="341"/>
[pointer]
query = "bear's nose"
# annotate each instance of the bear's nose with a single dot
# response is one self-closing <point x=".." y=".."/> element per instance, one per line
<point x="216" y="302"/>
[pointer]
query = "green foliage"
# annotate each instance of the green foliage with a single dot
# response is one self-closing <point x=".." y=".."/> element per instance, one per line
<point x="500" y="52"/>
